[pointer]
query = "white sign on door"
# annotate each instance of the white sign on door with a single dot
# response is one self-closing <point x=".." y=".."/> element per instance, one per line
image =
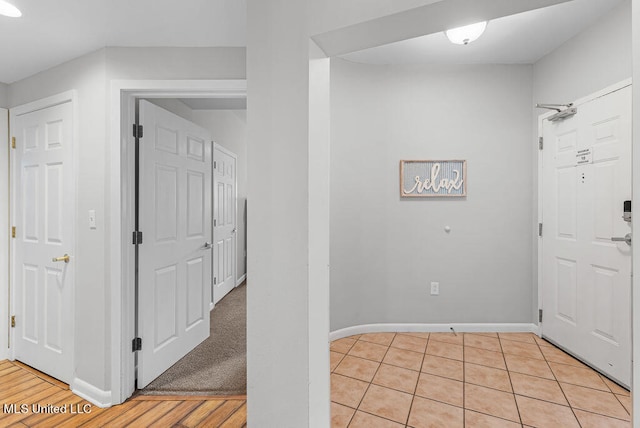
<point x="584" y="156"/>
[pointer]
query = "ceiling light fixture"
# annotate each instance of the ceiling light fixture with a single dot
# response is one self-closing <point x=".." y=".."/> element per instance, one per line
<point x="467" y="34"/>
<point x="7" y="9"/>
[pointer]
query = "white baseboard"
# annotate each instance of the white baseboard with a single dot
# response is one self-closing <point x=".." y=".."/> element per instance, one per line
<point x="241" y="279"/>
<point x="211" y="306"/>
<point x="91" y="393"/>
<point x="434" y="328"/>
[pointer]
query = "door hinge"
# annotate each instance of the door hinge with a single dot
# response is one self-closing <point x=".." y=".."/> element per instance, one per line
<point x="539" y="229"/>
<point x="539" y="315"/>
<point x="13" y="231"/>
<point x="215" y="222"/>
<point x="13" y="321"/>
<point x="137" y="238"/>
<point x="215" y="164"/>
<point x="138" y="131"/>
<point x="13" y="142"/>
<point x="540" y="143"/>
<point x="136" y="344"/>
<point x="215" y="280"/>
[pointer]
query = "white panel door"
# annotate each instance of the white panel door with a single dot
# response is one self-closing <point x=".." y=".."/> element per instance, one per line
<point x="174" y="259"/>
<point x="43" y="214"/>
<point x="586" y="276"/>
<point x="224" y="221"/>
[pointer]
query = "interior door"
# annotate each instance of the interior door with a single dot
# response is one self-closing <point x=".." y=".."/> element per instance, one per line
<point x="43" y="215"/>
<point x="224" y="221"/>
<point x="586" y="276"/>
<point x="174" y="259"/>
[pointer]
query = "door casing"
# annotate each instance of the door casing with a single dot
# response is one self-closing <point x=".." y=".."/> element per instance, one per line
<point x="123" y="94"/>
<point x="68" y="96"/>
<point x="583" y="100"/>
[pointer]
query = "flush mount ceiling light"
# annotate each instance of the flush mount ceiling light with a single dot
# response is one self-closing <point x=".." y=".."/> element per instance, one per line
<point x="7" y="9"/>
<point x="467" y="34"/>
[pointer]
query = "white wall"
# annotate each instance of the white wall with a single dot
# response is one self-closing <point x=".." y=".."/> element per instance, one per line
<point x="4" y="102"/>
<point x="596" y="58"/>
<point x="636" y="197"/>
<point x="229" y="129"/>
<point x="385" y="251"/>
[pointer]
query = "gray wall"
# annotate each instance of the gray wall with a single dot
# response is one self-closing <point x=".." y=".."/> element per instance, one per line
<point x="598" y="57"/>
<point x="385" y="251"/>
<point x="4" y="102"/>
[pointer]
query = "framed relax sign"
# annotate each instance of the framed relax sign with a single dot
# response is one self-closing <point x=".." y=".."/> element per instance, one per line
<point x="433" y="178"/>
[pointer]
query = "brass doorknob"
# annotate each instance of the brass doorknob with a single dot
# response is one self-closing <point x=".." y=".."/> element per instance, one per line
<point x="64" y="258"/>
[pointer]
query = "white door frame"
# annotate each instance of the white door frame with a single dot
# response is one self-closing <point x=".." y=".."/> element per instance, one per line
<point x="5" y="182"/>
<point x="121" y="109"/>
<point x="577" y="103"/>
<point x="228" y="152"/>
<point x="68" y="96"/>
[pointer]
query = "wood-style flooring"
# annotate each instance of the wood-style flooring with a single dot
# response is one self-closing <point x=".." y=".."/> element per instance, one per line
<point x="23" y="386"/>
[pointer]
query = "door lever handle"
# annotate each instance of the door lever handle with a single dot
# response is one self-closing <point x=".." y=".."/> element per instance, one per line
<point x="207" y="246"/>
<point x="64" y="258"/>
<point x="626" y="238"/>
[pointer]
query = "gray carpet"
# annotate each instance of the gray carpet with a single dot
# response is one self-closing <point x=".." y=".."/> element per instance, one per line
<point x="218" y="366"/>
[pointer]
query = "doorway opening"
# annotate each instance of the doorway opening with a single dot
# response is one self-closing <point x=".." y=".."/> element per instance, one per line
<point x="174" y="100"/>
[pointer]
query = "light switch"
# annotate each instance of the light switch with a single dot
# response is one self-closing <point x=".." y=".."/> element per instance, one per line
<point x="92" y="219"/>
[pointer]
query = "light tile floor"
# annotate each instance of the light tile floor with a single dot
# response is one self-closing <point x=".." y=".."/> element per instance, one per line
<point x="467" y="380"/>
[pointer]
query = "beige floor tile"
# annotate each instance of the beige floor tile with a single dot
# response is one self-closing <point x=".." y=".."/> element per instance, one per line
<point x="521" y="349"/>
<point x="478" y="420"/>
<point x="446" y="367"/>
<point x="387" y="403"/>
<point x="403" y="358"/>
<point x="487" y="376"/>
<point x="491" y="402"/>
<point x="365" y="420"/>
<point x="415" y="334"/>
<point x="591" y="420"/>
<point x="357" y="368"/>
<point x="553" y="354"/>
<point x="354" y="337"/>
<point x="519" y="337"/>
<point x="489" y="334"/>
<point x="484" y="358"/>
<point x="594" y="401"/>
<point x="440" y="389"/>
<point x="340" y="415"/>
<point x="446" y="350"/>
<point x="456" y="339"/>
<point x="410" y="343"/>
<point x="347" y="391"/>
<point x="396" y="378"/>
<point x="542" y="342"/>
<point x="482" y="342"/>
<point x="530" y="366"/>
<point x="626" y="402"/>
<point x="369" y="351"/>
<point x="342" y="345"/>
<point x="614" y="387"/>
<point x="379" y="338"/>
<point x="536" y="387"/>
<point x="430" y="414"/>
<point x="578" y="376"/>
<point x="336" y="357"/>
<point x="542" y="414"/>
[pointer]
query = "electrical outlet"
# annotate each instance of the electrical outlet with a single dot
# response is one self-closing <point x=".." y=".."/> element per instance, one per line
<point x="435" y="288"/>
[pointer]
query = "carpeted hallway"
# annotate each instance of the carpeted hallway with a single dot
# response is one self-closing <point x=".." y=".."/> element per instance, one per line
<point x="218" y="366"/>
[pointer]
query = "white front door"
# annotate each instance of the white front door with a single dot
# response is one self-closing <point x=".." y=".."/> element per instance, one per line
<point x="586" y="278"/>
<point x="43" y="215"/>
<point x="224" y="222"/>
<point x="174" y="259"/>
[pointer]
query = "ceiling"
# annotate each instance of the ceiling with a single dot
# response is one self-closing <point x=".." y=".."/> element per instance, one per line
<point x="51" y="32"/>
<point x="54" y="31"/>
<point x="517" y="39"/>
